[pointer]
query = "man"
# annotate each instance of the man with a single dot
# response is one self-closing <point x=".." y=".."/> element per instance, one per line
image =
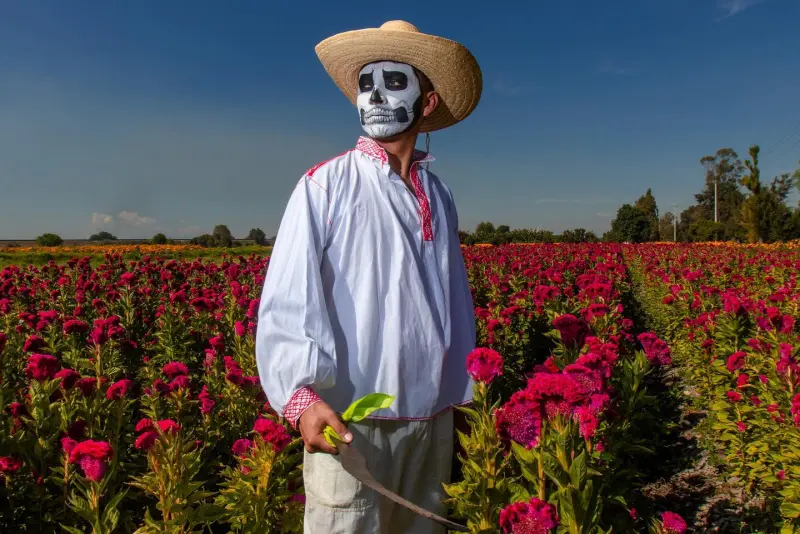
<point x="366" y="290"/>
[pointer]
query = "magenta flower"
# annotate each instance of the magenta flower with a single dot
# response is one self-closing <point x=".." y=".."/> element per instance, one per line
<point x="9" y="465"/>
<point x="241" y="447"/>
<point x="673" y="523"/>
<point x="573" y="331"/>
<point x="92" y="457"/>
<point x="484" y="365"/>
<point x="520" y="419"/>
<point x="42" y="367"/>
<point x="173" y="369"/>
<point x="119" y="389"/>
<point x="735" y="361"/>
<point x="656" y="350"/>
<point x="532" y="517"/>
<point x="239" y="329"/>
<point x="68" y="378"/>
<point x="272" y="432"/>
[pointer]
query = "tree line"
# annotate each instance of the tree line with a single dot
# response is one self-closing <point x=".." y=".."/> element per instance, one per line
<point x="220" y="237"/>
<point x="746" y="209"/>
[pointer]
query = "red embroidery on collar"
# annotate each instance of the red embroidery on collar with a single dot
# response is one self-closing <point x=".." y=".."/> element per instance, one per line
<point x="371" y="148"/>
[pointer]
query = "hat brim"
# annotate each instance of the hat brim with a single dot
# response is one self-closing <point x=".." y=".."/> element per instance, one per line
<point x="451" y="68"/>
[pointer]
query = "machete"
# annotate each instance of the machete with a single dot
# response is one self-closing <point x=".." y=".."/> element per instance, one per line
<point x="354" y="463"/>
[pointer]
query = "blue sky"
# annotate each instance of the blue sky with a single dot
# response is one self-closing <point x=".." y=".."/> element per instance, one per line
<point x="174" y="116"/>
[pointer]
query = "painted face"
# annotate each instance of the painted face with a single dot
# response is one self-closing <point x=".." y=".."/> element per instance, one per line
<point x="389" y="98"/>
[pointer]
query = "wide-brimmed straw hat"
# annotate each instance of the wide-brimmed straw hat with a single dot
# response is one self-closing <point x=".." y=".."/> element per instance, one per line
<point x="451" y="68"/>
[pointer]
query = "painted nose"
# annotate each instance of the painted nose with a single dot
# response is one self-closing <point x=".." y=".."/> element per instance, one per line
<point x="375" y="97"/>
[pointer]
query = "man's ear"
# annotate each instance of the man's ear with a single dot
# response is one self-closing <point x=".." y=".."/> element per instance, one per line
<point x="431" y="102"/>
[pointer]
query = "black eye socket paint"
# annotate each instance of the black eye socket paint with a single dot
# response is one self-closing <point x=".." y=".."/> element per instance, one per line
<point x="395" y="80"/>
<point x="365" y="82"/>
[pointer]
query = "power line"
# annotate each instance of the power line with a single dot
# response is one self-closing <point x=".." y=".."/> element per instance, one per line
<point x="789" y="149"/>
<point x="785" y="138"/>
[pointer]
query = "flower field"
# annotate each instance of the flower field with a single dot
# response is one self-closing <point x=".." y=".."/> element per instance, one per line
<point x="130" y="399"/>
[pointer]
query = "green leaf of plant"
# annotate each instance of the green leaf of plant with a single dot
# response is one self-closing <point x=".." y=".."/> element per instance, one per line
<point x="366" y="405"/>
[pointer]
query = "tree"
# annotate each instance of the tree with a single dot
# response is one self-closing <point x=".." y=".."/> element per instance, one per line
<point x="205" y="240"/>
<point x="726" y="169"/>
<point x="765" y="216"/>
<point x="49" y="240"/>
<point x="102" y="236"/>
<point x="578" y="235"/>
<point x="705" y="230"/>
<point x="647" y="203"/>
<point x="159" y="239"/>
<point x="666" y="227"/>
<point x="222" y="236"/>
<point x="258" y="235"/>
<point x="630" y="225"/>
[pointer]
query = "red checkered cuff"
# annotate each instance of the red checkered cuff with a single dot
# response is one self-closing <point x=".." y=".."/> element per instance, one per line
<point x="299" y="403"/>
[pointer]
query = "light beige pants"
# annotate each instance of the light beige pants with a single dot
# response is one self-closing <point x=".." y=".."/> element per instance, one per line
<point x="411" y="458"/>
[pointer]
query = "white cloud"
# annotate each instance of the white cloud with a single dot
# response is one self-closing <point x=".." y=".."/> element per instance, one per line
<point x="102" y="219"/>
<point x="132" y="217"/>
<point x="734" y="7"/>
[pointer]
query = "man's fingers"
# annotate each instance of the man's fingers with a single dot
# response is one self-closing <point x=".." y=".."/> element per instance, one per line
<point x="340" y="428"/>
<point x="319" y="444"/>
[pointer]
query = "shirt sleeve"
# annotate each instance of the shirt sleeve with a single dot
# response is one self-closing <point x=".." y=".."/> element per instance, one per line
<point x="295" y="349"/>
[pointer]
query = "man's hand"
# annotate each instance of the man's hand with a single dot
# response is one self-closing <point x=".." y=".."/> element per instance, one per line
<point x="312" y="425"/>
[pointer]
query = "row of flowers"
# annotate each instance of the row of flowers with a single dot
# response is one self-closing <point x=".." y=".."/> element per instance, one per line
<point x="732" y="317"/>
<point x="131" y="399"/>
<point x="561" y="413"/>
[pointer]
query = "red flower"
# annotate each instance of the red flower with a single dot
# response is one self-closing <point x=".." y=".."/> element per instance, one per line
<point x="735" y="361"/>
<point x="42" y="367"/>
<point x="86" y="385"/>
<point x="673" y="523"/>
<point x="742" y="380"/>
<point x="532" y="517"/>
<point x="68" y="378"/>
<point x="484" y="365"/>
<point x="520" y="419"/>
<point x="656" y="350"/>
<point x="173" y="369"/>
<point x="573" y="330"/>
<point x="239" y="329"/>
<point x="119" y="389"/>
<point x="3" y="339"/>
<point x="272" y="432"/>
<point x="75" y="326"/>
<point x="241" y="447"/>
<point x="206" y="402"/>
<point x="33" y="343"/>
<point x="9" y="465"/>
<point x="67" y="444"/>
<point x="734" y="396"/>
<point x="92" y="457"/>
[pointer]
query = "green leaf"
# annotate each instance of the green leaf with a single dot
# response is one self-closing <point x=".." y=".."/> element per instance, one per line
<point x="366" y="405"/>
<point x="330" y="434"/>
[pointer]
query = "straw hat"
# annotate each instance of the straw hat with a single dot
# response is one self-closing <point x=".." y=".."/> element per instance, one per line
<point x="452" y="69"/>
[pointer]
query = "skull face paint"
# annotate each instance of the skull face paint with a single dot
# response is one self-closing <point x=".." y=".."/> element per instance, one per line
<point x="389" y="98"/>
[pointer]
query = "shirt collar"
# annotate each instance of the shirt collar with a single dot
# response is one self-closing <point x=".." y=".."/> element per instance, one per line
<point x="369" y="147"/>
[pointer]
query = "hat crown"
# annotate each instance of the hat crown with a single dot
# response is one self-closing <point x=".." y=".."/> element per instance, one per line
<point x="399" y="26"/>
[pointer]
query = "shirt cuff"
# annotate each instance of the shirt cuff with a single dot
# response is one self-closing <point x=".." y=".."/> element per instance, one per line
<point x="299" y="403"/>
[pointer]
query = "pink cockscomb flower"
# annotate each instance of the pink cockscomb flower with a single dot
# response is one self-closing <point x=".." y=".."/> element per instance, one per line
<point x="656" y="350"/>
<point x="272" y="432"/>
<point x="86" y="385"/>
<point x="119" y="389"/>
<point x="42" y="367"/>
<point x="173" y="369"/>
<point x="573" y="330"/>
<point x="673" y="523"/>
<point x="484" y="365"/>
<point x="92" y="456"/>
<point x="239" y="329"/>
<point x="520" y="419"/>
<point x="68" y="378"/>
<point x="241" y="447"/>
<point x="3" y="340"/>
<point x="532" y="517"/>
<point x="206" y="401"/>
<point x="33" y="343"/>
<point x="149" y="433"/>
<point x="735" y="361"/>
<point x="9" y="465"/>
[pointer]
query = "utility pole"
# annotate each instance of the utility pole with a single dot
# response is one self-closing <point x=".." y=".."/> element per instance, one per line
<point x="674" y="222"/>
<point x="715" y="200"/>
